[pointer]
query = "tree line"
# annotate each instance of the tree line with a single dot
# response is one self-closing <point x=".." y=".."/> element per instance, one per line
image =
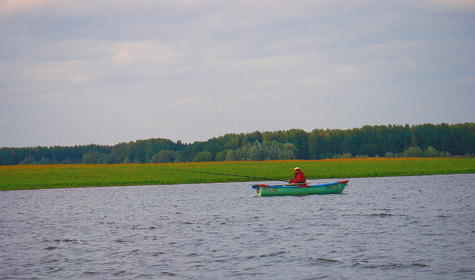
<point x="426" y="140"/>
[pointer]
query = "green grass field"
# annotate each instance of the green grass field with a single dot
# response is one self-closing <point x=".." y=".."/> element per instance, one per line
<point x="21" y="177"/>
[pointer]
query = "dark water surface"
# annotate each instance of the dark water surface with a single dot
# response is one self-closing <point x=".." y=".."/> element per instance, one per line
<point x="381" y="228"/>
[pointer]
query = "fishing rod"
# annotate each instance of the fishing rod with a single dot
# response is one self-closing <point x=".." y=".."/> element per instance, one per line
<point x="214" y="173"/>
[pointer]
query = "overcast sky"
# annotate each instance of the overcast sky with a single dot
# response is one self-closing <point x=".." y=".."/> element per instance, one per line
<point x="104" y="72"/>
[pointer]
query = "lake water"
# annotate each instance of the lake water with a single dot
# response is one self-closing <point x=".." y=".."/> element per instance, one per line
<point x="380" y="228"/>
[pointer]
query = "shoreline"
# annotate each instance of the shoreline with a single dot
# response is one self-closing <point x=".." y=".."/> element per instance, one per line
<point x="22" y="177"/>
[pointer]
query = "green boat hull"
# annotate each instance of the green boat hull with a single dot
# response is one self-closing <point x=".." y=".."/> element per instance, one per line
<point x="276" y="190"/>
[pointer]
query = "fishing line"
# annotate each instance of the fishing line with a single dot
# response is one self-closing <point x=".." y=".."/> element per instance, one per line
<point x="225" y="174"/>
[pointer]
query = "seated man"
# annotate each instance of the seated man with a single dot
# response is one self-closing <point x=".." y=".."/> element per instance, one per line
<point x="299" y="177"/>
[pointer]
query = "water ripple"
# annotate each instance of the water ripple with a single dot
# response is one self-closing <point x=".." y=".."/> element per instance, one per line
<point x="385" y="228"/>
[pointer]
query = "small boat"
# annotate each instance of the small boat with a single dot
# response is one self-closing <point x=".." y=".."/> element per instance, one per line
<point x="304" y="189"/>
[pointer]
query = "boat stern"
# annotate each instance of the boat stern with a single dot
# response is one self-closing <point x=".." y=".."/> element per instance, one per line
<point x="257" y="189"/>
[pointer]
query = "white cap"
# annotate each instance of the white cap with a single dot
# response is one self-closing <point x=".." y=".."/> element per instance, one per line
<point x="297" y="168"/>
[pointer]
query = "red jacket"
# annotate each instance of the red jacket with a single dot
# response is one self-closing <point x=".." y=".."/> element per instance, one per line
<point x="299" y="177"/>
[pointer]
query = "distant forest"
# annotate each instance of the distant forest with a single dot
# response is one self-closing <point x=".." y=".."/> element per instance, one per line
<point x="426" y="140"/>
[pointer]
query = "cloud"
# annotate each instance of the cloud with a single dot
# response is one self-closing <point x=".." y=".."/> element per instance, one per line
<point x="8" y="7"/>
<point x="191" y="70"/>
<point x="56" y="72"/>
<point x="459" y="5"/>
